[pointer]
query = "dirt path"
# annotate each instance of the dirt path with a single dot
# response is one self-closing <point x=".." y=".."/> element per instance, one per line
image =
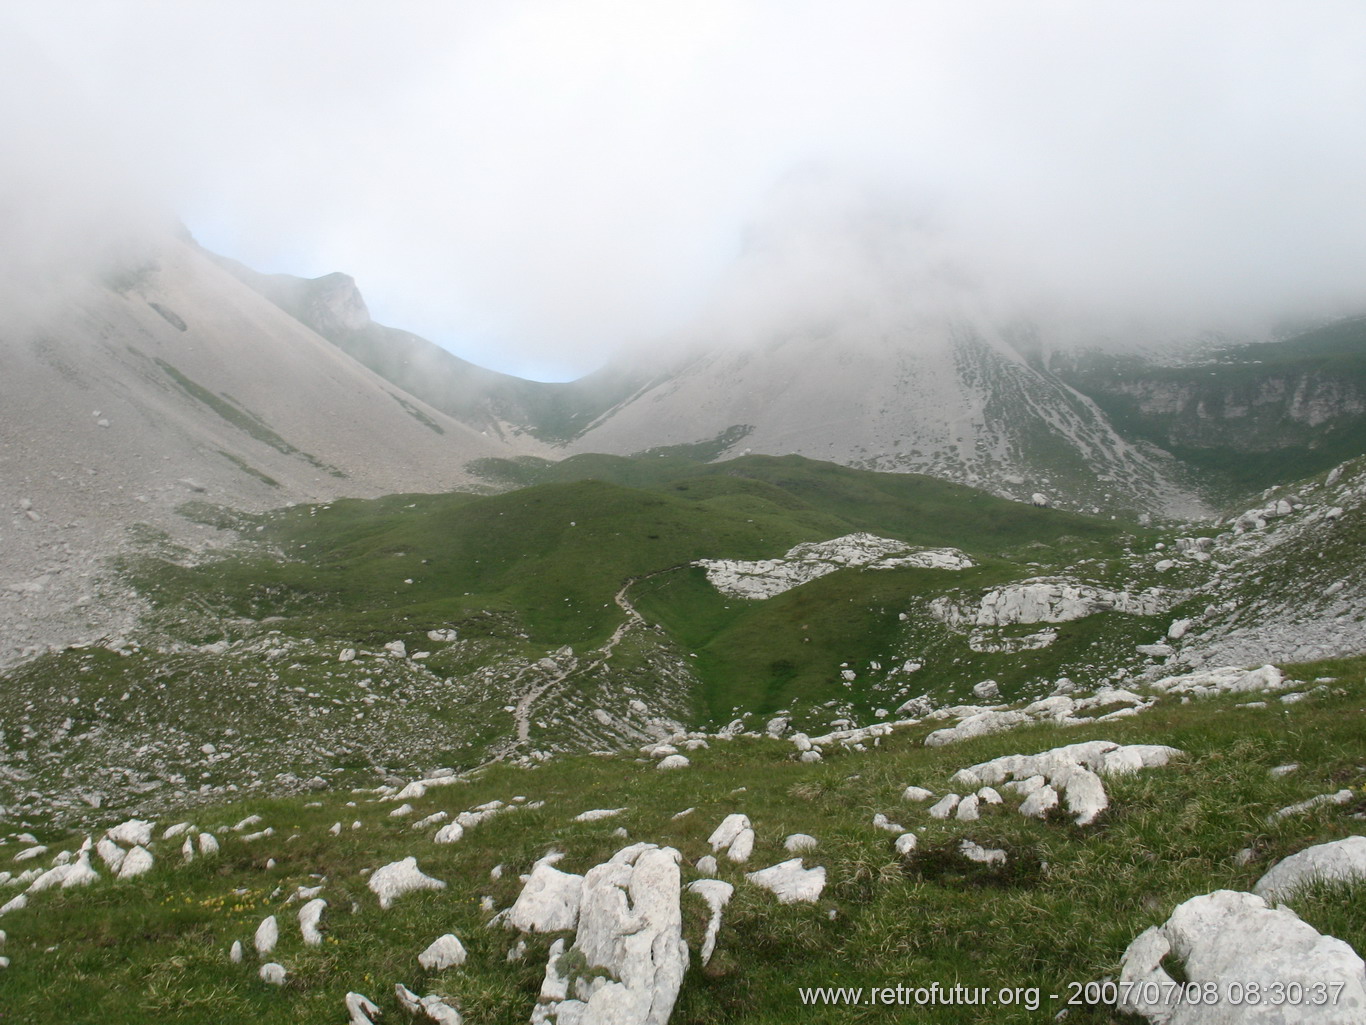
<point x="594" y="660"/>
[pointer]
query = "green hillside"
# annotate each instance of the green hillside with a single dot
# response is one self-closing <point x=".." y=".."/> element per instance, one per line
<point x="1057" y="915"/>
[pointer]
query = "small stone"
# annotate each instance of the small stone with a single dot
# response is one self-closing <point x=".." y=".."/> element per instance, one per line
<point x="272" y="973"/>
<point x="442" y="953"/>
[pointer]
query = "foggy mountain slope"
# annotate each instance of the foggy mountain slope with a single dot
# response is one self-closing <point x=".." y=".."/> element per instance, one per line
<point x="487" y="400"/>
<point x="1247" y="416"/>
<point x="930" y="396"/>
<point x="169" y="381"/>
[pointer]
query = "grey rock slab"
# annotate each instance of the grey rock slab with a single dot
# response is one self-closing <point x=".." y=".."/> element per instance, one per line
<point x="631" y="925"/>
<point x="549" y="901"/>
<point x="1228" y="938"/>
<point x="1341" y="861"/>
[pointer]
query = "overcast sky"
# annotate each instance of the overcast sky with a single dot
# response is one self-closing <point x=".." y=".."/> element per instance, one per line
<point x="535" y="184"/>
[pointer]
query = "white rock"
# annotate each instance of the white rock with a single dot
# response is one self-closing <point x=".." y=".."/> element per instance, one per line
<point x="1133" y="757"/>
<point x="310" y="915"/>
<point x="945" y="806"/>
<point x="549" y="901"/>
<point x="1178" y="629"/>
<point x="965" y="778"/>
<point x="597" y="813"/>
<point x="706" y="865"/>
<point x="1340" y="861"/>
<point x="111" y="854"/>
<point x="172" y="832"/>
<point x="987" y="690"/>
<point x="880" y="821"/>
<point x="1226" y="938"/>
<point x="1039" y="803"/>
<point x="724" y="834"/>
<point x="1283" y="770"/>
<point x="765" y="578"/>
<point x="798" y="842"/>
<point x="134" y="832"/>
<point x="674" y="762"/>
<point x="1340" y="797"/>
<point x="967" y="809"/>
<point x="400" y="877"/>
<point x="431" y="1007"/>
<point x="346" y="655"/>
<point x="235" y="952"/>
<point x="916" y="794"/>
<point x="988" y="795"/>
<point x="267" y="935"/>
<point x="1084" y="794"/>
<point x="247" y="823"/>
<point x="631" y="925"/>
<point x="810" y="756"/>
<point x="401" y="811"/>
<point x="981" y="855"/>
<point x="741" y="847"/>
<point x="1223" y="680"/>
<point x="979" y="725"/>
<point x="905" y="843"/>
<point x="135" y="863"/>
<point x="272" y="973"/>
<point x="360" y="1009"/>
<point x="717" y="894"/>
<point x="790" y="881"/>
<point x="449" y="833"/>
<point x="443" y="952"/>
<point x="208" y="844"/>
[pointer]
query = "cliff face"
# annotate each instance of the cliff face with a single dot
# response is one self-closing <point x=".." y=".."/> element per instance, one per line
<point x="1253" y="415"/>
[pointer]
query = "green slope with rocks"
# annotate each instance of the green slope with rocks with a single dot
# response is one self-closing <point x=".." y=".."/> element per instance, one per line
<point x="1048" y="906"/>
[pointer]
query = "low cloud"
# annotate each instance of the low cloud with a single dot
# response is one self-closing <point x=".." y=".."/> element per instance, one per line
<point x="538" y="185"/>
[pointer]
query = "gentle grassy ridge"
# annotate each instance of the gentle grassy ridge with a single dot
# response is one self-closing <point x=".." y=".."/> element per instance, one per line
<point x="1064" y="909"/>
<point x="553" y="555"/>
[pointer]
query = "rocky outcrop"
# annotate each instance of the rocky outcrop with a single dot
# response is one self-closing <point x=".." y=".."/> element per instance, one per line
<point x="767" y="577"/>
<point x="628" y="958"/>
<point x="1044" y="600"/>
<point x="1236" y="944"/>
<point x="549" y="901"/>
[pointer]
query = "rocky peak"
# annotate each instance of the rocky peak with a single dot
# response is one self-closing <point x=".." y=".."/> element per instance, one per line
<point x="333" y="304"/>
